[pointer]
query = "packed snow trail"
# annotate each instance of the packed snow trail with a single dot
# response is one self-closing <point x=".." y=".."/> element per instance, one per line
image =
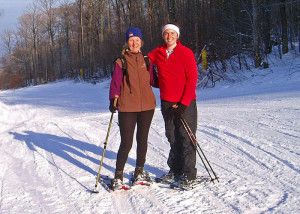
<point x="52" y="138"/>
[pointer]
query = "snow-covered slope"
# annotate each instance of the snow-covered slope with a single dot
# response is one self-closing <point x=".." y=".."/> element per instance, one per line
<point x="52" y="140"/>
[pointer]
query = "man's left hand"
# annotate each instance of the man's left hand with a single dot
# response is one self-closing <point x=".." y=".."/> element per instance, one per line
<point x="178" y="112"/>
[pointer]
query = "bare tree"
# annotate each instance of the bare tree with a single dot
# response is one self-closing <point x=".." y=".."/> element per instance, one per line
<point x="256" y="42"/>
<point x="266" y="26"/>
<point x="81" y="32"/>
<point x="55" y="39"/>
<point x="66" y="26"/>
<point x="33" y="16"/>
<point x="284" y="27"/>
<point x="24" y="46"/>
<point x="47" y="7"/>
<point x="8" y="42"/>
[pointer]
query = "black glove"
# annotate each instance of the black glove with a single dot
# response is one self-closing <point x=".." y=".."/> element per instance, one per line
<point x="113" y="108"/>
<point x="179" y="110"/>
<point x="175" y="111"/>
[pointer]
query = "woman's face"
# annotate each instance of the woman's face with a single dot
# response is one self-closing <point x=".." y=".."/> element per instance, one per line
<point x="170" y="37"/>
<point x="134" y="43"/>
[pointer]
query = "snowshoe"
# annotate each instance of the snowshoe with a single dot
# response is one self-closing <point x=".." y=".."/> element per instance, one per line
<point x="117" y="185"/>
<point x="105" y="183"/>
<point x="140" y="177"/>
<point x="167" y="178"/>
<point x="184" y="184"/>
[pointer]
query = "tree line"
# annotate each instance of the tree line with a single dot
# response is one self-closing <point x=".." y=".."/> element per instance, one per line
<point x="66" y="39"/>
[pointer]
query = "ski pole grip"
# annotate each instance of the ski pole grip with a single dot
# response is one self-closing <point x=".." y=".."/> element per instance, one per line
<point x="116" y="100"/>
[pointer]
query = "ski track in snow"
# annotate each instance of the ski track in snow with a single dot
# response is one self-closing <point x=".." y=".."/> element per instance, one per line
<point x="51" y="147"/>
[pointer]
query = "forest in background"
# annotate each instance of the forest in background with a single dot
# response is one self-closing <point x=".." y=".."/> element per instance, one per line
<point x="58" y="39"/>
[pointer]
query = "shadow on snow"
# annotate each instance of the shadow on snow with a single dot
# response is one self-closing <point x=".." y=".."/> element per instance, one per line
<point x="64" y="147"/>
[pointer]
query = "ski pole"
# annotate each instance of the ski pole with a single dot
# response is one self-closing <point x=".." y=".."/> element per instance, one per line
<point x="196" y="148"/>
<point x="104" y="149"/>
<point x="195" y="142"/>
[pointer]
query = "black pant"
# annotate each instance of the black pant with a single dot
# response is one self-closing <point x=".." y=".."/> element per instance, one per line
<point x="127" y="122"/>
<point x="182" y="156"/>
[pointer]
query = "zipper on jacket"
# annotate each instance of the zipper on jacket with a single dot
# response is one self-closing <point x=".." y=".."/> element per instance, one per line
<point x="136" y="59"/>
<point x="128" y="82"/>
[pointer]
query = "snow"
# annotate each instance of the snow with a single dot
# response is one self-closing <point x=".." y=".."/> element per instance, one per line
<point x="52" y="139"/>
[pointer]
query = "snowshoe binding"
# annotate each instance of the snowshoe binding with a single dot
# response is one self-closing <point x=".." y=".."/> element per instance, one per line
<point x="117" y="185"/>
<point x="185" y="184"/>
<point x="141" y="177"/>
<point x="167" y="178"/>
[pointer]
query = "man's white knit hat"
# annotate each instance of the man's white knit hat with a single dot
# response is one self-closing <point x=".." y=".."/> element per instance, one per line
<point x="170" y="27"/>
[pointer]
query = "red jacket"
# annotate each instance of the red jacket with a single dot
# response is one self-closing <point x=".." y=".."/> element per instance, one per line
<point x="177" y="75"/>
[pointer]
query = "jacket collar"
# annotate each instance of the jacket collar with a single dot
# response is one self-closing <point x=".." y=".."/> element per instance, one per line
<point x="164" y="47"/>
<point x="129" y="52"/>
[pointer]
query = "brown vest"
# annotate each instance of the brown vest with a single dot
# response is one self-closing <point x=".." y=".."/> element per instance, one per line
<point x="136" y="94"/>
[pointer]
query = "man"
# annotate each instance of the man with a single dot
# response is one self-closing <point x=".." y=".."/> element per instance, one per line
<point x="177" y="78"/>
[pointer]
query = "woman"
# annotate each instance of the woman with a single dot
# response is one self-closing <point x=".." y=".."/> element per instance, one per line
<point x="136" y="104"/>
<point x="177" y="78"/>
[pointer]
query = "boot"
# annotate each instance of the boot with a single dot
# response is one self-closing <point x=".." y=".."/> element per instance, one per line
<point x="139" y="171"/>
<point x="140" y="177"/>
<point x="117" y="182"/>
<point x="119" y="175"/>
<point x="184" y="183"/>
<point x="168" y="178"/>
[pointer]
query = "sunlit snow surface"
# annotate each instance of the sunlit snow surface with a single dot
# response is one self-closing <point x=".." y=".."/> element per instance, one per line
<point x="52" y="139"/>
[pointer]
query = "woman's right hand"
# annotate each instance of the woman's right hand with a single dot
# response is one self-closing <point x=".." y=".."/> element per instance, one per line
<point x="113" y="106"/>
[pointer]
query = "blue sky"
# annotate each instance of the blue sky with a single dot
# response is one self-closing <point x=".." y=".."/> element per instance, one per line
<point x="11" y="10"/>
